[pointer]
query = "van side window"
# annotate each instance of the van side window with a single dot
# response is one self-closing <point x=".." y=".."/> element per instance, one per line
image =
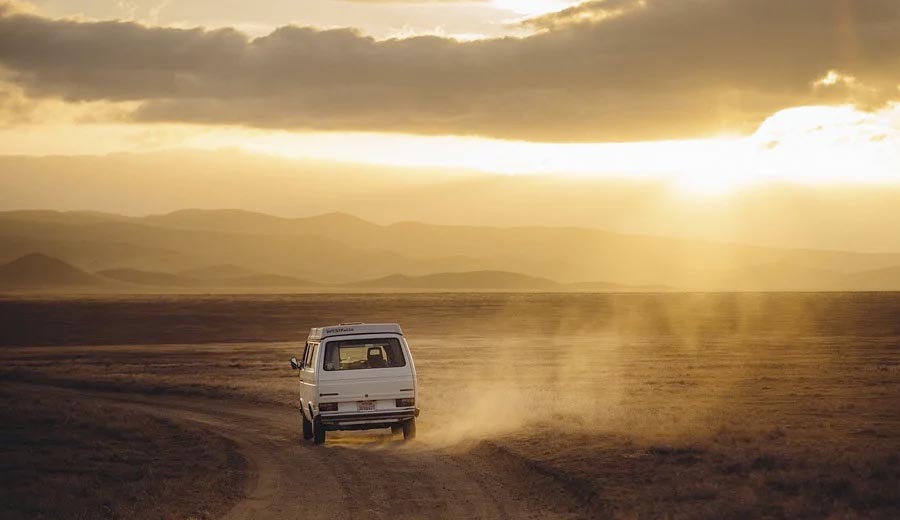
<point x="313" y="350"/>
<point x="307" y="355"/>
<point x="305" y="352"/>
<point x="357" y="354"/>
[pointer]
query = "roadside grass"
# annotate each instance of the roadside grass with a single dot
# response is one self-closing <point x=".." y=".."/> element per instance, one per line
<point x="729" y="473"/>
<point x="249" y="373"/>
<point x="73" y="458"/>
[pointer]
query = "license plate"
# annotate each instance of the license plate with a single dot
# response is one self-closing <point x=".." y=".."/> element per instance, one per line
<point x="366" y="406"/>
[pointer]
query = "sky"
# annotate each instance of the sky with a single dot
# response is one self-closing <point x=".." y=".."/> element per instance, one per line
<point x="712" y="96"/>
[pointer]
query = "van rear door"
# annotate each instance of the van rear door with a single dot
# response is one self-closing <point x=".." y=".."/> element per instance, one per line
<point x="366" y="374"/>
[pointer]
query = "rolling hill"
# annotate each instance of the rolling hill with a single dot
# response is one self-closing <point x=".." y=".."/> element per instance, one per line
<point x="152" y="278"/>
<point x="207" y="282"/>
<point x="337" y="249"/>
<point x="217" y="272"/>
<point x="39" y="271"/>
<point x="260" y="281"/>
<point x="820" y="216"/>
<point x="466" y="281"/>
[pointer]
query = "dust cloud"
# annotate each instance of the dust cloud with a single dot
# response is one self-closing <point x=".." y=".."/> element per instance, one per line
<point x="666" y="368"/>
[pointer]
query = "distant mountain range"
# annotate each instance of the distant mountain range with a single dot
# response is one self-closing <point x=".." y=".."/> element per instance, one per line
<point x="162" y="279"/>
<point x="43" y="273"/>
<point x="862" y="217"/>
<point x="470" y="281"/>
<point x="37" y="271"/>
<point x="231" y="250"/>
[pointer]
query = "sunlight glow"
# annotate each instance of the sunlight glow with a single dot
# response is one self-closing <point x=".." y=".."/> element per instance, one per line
<point x="806" y="145"/>
<point x="533" y="7"/>
<point x="832" y="78"/>
<point x="809" y="145"/>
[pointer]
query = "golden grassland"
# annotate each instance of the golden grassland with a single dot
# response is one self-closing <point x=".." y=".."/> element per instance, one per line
<point x="71" y="456"/>
<point x="686" y="406"/>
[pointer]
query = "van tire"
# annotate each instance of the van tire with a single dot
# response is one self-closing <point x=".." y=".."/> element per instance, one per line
<point x="318" y="431"/>
<point x="307" y="427"/>
<point x="409" y="429"/>
<point x="396" y="429"/>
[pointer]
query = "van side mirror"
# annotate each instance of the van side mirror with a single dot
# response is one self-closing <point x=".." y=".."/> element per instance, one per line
<point x="295" y="364"/>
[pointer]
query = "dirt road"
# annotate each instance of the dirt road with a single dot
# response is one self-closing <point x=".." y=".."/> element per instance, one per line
<point x="362" y="475"/>
<point x="680" y="406"/>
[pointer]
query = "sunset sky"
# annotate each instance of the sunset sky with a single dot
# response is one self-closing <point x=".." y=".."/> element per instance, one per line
<point x="712" y="95"/>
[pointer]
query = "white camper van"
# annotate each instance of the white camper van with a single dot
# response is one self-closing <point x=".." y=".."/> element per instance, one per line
<point x="357" y="376"/>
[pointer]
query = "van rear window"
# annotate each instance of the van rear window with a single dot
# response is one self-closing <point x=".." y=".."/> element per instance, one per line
<point x="359" y="354"/>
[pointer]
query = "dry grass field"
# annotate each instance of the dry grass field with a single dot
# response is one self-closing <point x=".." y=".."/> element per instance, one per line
<point x="567" y="406"/>
<point x="66" y="455"/>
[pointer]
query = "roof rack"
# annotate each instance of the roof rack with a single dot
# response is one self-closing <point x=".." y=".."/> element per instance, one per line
<point x="356" y="328"/>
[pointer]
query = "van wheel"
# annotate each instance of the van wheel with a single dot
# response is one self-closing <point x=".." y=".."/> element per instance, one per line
<point x="307" y="427"/>
<point x="396" y="429"/>
<point x="318" y="431"/>
<point x="409" y="429"/>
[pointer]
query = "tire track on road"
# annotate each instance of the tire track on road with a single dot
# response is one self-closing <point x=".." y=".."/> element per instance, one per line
<point x="359" y="476"/>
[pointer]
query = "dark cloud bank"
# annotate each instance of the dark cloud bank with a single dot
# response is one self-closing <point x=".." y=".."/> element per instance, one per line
<point x="607" y="70"/>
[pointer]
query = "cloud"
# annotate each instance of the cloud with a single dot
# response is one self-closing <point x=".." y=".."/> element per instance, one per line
<point x="412" y="1"/>
<point x="17" y="110"/>
<point x="590" y="11"/>
<point x="660" y="70"/>
<point x="836" y="87"/>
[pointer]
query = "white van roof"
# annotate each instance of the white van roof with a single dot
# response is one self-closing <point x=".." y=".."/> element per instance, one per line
<point x="354" y="328"/>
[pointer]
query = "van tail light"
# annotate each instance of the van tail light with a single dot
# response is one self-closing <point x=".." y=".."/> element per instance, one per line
<point x="328" y="407"/>
<point x="406" y="402"/>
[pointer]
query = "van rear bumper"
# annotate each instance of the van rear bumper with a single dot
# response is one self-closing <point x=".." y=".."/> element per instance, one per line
<point x="365" y="420"/>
